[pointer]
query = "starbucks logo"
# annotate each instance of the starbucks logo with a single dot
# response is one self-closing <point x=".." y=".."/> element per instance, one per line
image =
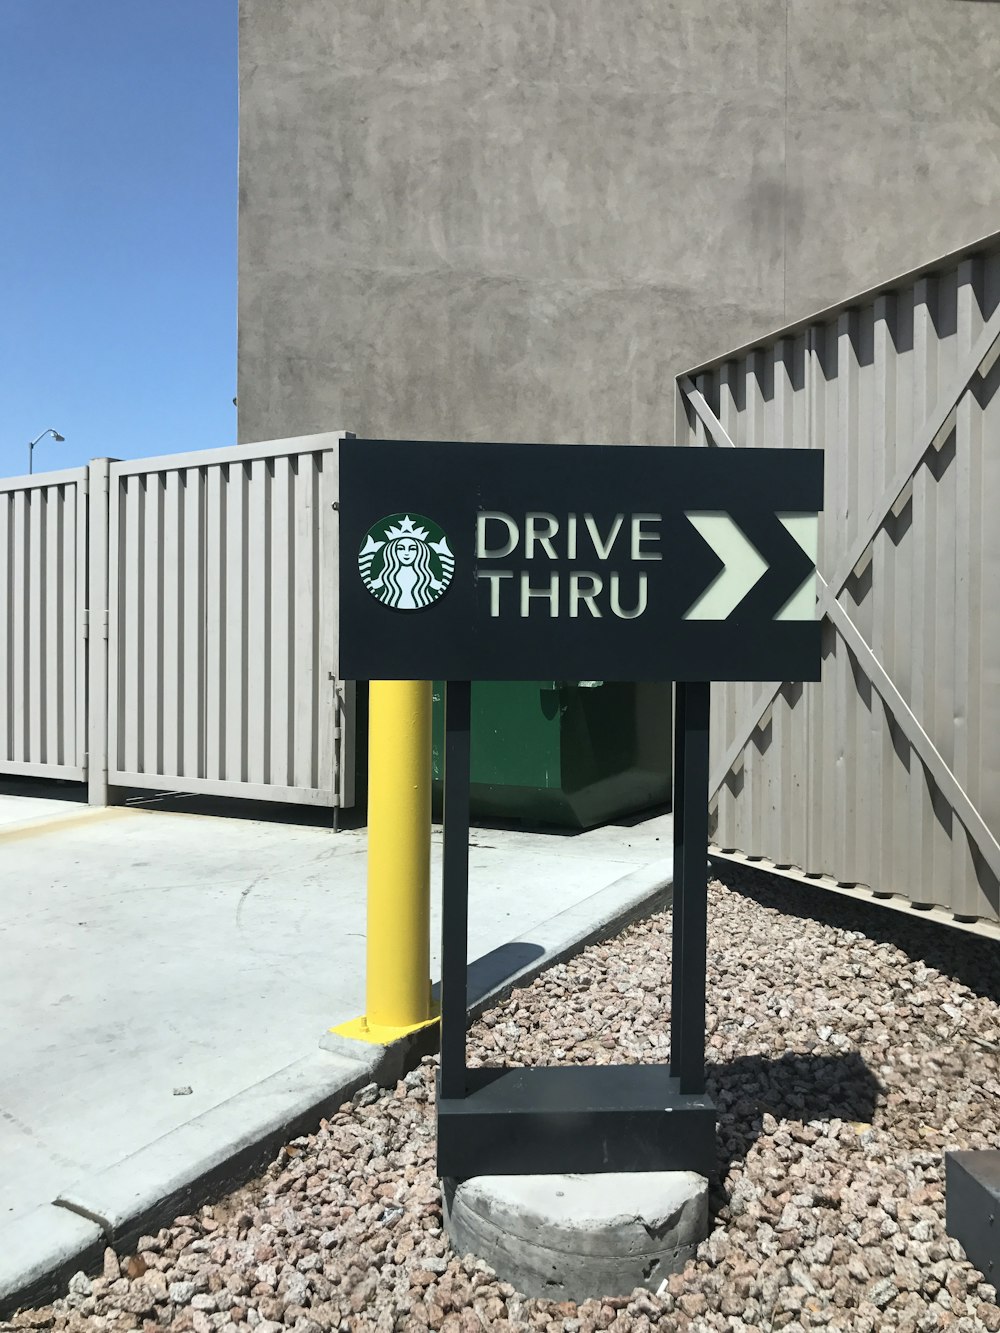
<point x="406" y="562"/>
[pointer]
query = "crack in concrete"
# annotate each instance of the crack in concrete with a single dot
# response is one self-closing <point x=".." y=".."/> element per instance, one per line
<point x="87" y="1214"/>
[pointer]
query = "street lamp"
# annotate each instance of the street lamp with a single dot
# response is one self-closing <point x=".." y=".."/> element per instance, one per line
<point x="31" y="447"/>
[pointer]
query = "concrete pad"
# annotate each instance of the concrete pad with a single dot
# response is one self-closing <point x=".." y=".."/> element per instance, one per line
<point x="18" y="809"/>
<point x="21" y="815"/>
<point x="218" y="1150"/>
<point x="151" y="952"/>
<point x="165" y="980"/>
<point x="43" y="1249"/>
<point x="226" y="1145"/>
<point x="578" y="1236"/>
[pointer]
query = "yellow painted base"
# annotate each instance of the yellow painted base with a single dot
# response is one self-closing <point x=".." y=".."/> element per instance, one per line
<point x="360" y="1030"/>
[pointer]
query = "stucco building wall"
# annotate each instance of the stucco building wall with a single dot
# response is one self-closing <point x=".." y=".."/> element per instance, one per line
<point x="519" y="219"/>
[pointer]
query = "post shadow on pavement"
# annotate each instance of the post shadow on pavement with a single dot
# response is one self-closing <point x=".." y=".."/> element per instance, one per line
<point x="487" y="974"/>
<point x="970" y="959"/>
<point x="794" y="1086"/>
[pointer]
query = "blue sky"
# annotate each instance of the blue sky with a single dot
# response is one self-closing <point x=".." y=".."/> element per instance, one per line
<point x="118" y="199"/>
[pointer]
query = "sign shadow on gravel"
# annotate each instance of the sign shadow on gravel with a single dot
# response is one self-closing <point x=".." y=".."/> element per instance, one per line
<point x="971" y="960"/>
<point x="795" y="1087"/>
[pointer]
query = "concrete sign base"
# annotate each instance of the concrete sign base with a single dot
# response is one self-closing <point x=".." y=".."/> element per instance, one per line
<point x="579" y="1236"/>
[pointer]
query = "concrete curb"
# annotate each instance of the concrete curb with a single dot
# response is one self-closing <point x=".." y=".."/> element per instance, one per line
<point x="215" y="1152"/>
<point x="40" y="1253"/>
<point x="229" y="1144"/>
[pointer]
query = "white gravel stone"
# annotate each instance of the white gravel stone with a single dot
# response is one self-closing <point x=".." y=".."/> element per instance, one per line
<point x="840" y="1078"/>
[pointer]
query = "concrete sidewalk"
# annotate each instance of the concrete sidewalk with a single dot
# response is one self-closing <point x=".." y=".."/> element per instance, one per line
<point x="166" y="979"/>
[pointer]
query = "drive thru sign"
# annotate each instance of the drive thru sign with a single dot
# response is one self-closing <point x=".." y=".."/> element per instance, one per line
<point x="463" y="562"/>
<point x="532" y="562"/>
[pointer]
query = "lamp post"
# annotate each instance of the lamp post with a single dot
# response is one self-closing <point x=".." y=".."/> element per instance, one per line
<point x="31" y="447"/>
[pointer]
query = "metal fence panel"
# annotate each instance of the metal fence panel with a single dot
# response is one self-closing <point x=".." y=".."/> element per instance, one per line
<point x="887" y="774"/>
<point x="43" y="624"/>
<point x="222" y="618"/>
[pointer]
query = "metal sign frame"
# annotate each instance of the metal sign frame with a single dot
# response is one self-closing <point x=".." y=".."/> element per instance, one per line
<point x="559" y="1119"/>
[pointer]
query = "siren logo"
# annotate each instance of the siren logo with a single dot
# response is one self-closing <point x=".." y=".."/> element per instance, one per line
<point x="406" y="562"/>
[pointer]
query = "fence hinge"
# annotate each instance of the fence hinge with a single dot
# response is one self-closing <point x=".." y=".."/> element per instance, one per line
<point x="332" y="678"/>
<point x="104" y="624"/>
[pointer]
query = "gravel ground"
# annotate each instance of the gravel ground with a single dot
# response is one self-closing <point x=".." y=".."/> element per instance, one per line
<point x="849" y="1046"/>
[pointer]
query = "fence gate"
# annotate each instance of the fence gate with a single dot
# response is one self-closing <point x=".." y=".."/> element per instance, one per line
<point x="887" y="774"/>
<point x="43" y="624"/>
<point x="221" y="623"/>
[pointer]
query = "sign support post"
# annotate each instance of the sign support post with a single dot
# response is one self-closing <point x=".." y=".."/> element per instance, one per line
<point x="455" y="887"/>
<point x="690" y="909"/>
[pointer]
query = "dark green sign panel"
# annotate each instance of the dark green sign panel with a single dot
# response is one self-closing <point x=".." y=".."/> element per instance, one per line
<point x="519" y="562"/>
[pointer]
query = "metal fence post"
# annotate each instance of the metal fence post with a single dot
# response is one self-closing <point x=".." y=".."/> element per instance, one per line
<point x="98" y="519"/>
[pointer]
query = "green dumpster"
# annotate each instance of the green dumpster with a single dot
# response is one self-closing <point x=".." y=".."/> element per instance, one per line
<point x="568" y="754"/>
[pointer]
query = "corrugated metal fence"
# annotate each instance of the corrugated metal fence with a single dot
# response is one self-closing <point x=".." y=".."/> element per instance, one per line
<point x="43" y="536"/>
<point x="887" y="774"/>
<point x="222" y="638"/>
<point x="208" y="581"/>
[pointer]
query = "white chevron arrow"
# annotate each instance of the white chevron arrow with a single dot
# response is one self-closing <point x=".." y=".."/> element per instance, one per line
<point x="743" y="565"/>
<point x="802" y="603"/>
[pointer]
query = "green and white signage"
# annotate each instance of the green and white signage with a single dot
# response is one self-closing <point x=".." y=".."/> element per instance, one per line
<point x="405" y="562"/>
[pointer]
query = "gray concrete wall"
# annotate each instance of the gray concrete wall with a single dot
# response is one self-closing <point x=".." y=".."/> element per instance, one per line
<point x="519" y="219"/>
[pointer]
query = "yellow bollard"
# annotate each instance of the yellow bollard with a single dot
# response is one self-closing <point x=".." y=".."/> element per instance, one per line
<point x="397" y="980"/>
